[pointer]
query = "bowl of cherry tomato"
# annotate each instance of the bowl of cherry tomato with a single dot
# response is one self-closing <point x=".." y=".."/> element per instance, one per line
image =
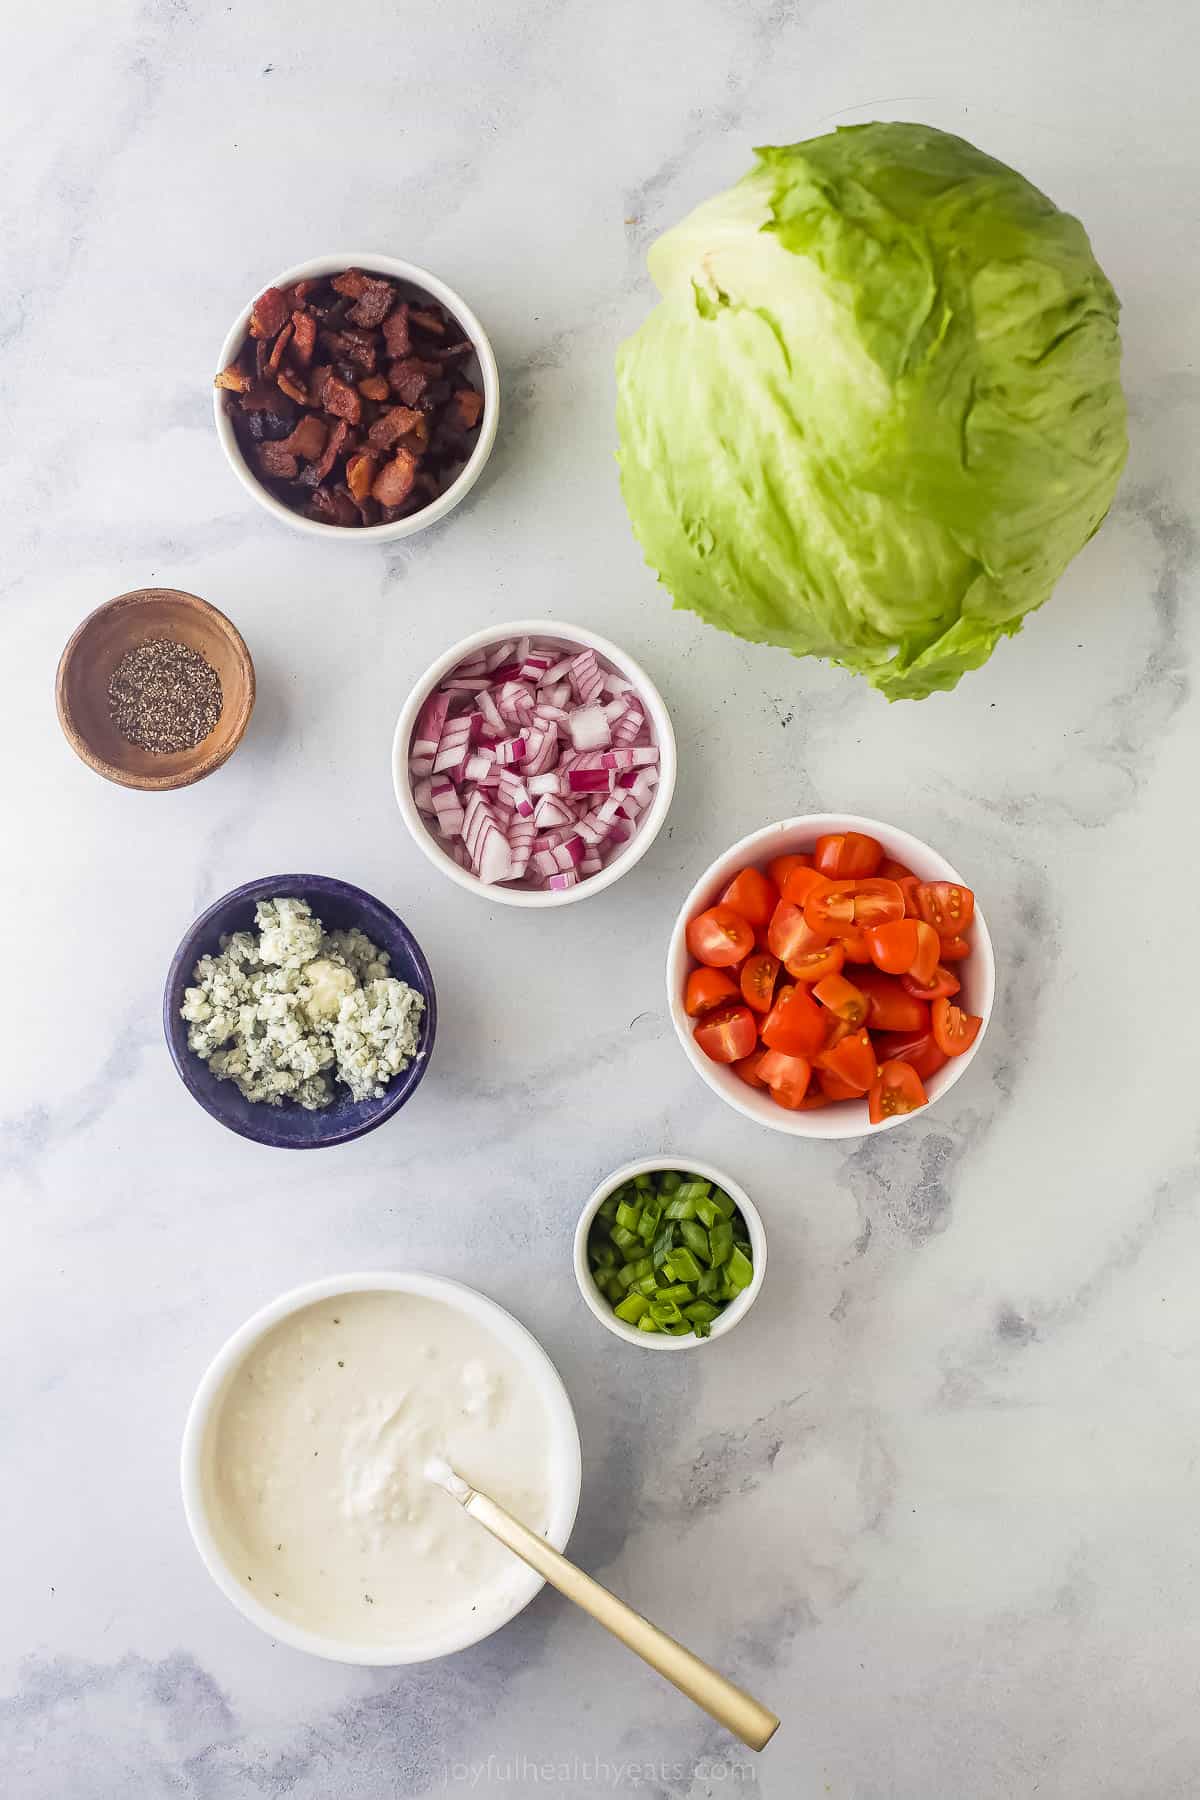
<point x="831" y="976"/>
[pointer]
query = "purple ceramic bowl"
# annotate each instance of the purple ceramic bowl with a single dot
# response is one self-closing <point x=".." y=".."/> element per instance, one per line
<point x="289" y="1127"/>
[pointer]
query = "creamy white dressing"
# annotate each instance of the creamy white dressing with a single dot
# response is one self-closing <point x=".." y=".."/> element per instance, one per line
<point x="317" y="1473"/>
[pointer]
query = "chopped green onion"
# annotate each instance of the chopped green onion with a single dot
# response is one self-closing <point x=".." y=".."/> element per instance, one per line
<point x="695" y="1237"/>
<point x="740" y="1271"/>
<point x="629" y="1216"/>
<point x="720" y="1243"/>
<point x="631" y="1308"/>
<point x="681" y="1265"/>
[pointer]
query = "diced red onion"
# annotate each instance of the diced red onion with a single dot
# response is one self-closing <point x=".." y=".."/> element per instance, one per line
<point x="515" y="794"/>
<point x="586" y="678"/>
<point x="629" y="725"/>
<point x="430" y="725"/>
<point x="551" y="810"/>
<point x="454" y="747"/>
<point x="587" y="781"/>
<point x="513" y="750"/>
<point x="544" y="761"/>
<point x="589" y="728"/>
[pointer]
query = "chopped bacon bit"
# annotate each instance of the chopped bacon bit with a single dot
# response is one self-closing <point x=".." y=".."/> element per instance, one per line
<point x="333" y="449"/>
<point x="339" y="398"/>
<point x="375" y="387"/>
<point x="238" y="382"/>
<point x="392" y="425"/>
<point x="468" y="403"/>
<point x="429" y="322"/>
<point x="351" y="346"/>
<point x="394" y="482"/>
<point x="307" y="439"/>
<point x="360" y="473"/>
<point x="304" y="340"/>
<point x="279" y="346"/>
<point x="353" y="283"/>
<point x="295" y="390"/>
<point x="409" y="378"/>
<point x="273" y="459"/>
<point x="374" y="304"/>
<point x="395" y="331"/>
<point x="268" y="314"/>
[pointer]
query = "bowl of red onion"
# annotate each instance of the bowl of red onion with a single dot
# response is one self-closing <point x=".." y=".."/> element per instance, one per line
<point x="534" y="763"/>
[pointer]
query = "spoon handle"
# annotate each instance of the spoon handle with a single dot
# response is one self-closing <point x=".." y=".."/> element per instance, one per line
<point x="728" y="1704"/>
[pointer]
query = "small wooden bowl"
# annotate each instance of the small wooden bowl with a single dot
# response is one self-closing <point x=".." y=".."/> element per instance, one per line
<point x="95" y="649"/>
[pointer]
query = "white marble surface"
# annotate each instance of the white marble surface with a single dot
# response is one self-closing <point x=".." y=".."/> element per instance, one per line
<point x="937" y="1499"/>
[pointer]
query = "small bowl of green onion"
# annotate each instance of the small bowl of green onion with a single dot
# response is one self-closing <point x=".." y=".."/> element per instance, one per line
<point x="669" y="1253"/>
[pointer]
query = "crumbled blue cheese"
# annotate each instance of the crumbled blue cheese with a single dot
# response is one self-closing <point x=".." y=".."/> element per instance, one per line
<point x="287" y="1010"/>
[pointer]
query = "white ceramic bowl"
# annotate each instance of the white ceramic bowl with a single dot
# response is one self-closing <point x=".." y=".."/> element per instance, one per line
<point x="737" y="1309"/>
<point x="568" y="636"/>
<point x="489" y="374"/>
<point x="200" y="1430"/>
<point x="848" y="1119"/>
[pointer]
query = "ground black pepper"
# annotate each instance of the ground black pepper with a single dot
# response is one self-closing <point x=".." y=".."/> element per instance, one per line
<point x="164" y="696"/>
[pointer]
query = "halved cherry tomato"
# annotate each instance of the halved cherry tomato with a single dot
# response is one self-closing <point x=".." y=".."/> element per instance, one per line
<point x="942" y="985"/>
<point x="904" y="946"/>
<point x="815" y="1097"/>
<point x="855" y="945"/>
<point x="908" y="885"/>
<point x="842" y="997"/>
<point x="896" y="1089"/>
<point x="846" y="906"/>
<point x="834" y="1088"/>
<point x="747" y="1068"/>
<point x="954" y="1030"/>
<point x="751" y="894"/>
<point x="852" y="1060"/>
<point x="891" y="870"/>
<point x="955" y="949"/>
<point x="915" y="1047"/>
<point x="889" y="1008"/>
<point x="795" y="1024"/>
<point x="707" y="988"/>
<point x="893" y="946"/>
<point x="719" y="937"/>
<point x="790" y="939"/>
<point x="946" y="906"/>
<point x="786" y="1076"/>
<point x="801" y="884"/>
<point x="815" y="964"/>
<point x="780" y="867"/>
<point x="759" y="975"/>
<point x="728" y="1033"/>
<point x="845" y="855"/>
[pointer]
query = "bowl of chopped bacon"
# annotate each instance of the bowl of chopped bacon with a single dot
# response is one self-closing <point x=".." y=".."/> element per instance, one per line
<point x="357" y="393"/>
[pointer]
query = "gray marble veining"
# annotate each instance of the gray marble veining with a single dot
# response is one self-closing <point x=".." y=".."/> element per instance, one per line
<point x="936" y="1500"/>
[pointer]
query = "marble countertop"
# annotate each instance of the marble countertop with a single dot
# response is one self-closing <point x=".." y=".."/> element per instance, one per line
<point x="936" y="1500"/>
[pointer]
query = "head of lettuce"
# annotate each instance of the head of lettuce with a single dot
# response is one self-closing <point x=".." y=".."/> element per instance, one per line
<point x="878" y="408"/>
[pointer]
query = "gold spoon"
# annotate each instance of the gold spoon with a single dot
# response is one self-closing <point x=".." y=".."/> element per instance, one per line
<point x="728" y="1704"/>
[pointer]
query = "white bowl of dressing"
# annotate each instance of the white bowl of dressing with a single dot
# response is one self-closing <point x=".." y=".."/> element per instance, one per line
<point x="303" y="1466"/>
